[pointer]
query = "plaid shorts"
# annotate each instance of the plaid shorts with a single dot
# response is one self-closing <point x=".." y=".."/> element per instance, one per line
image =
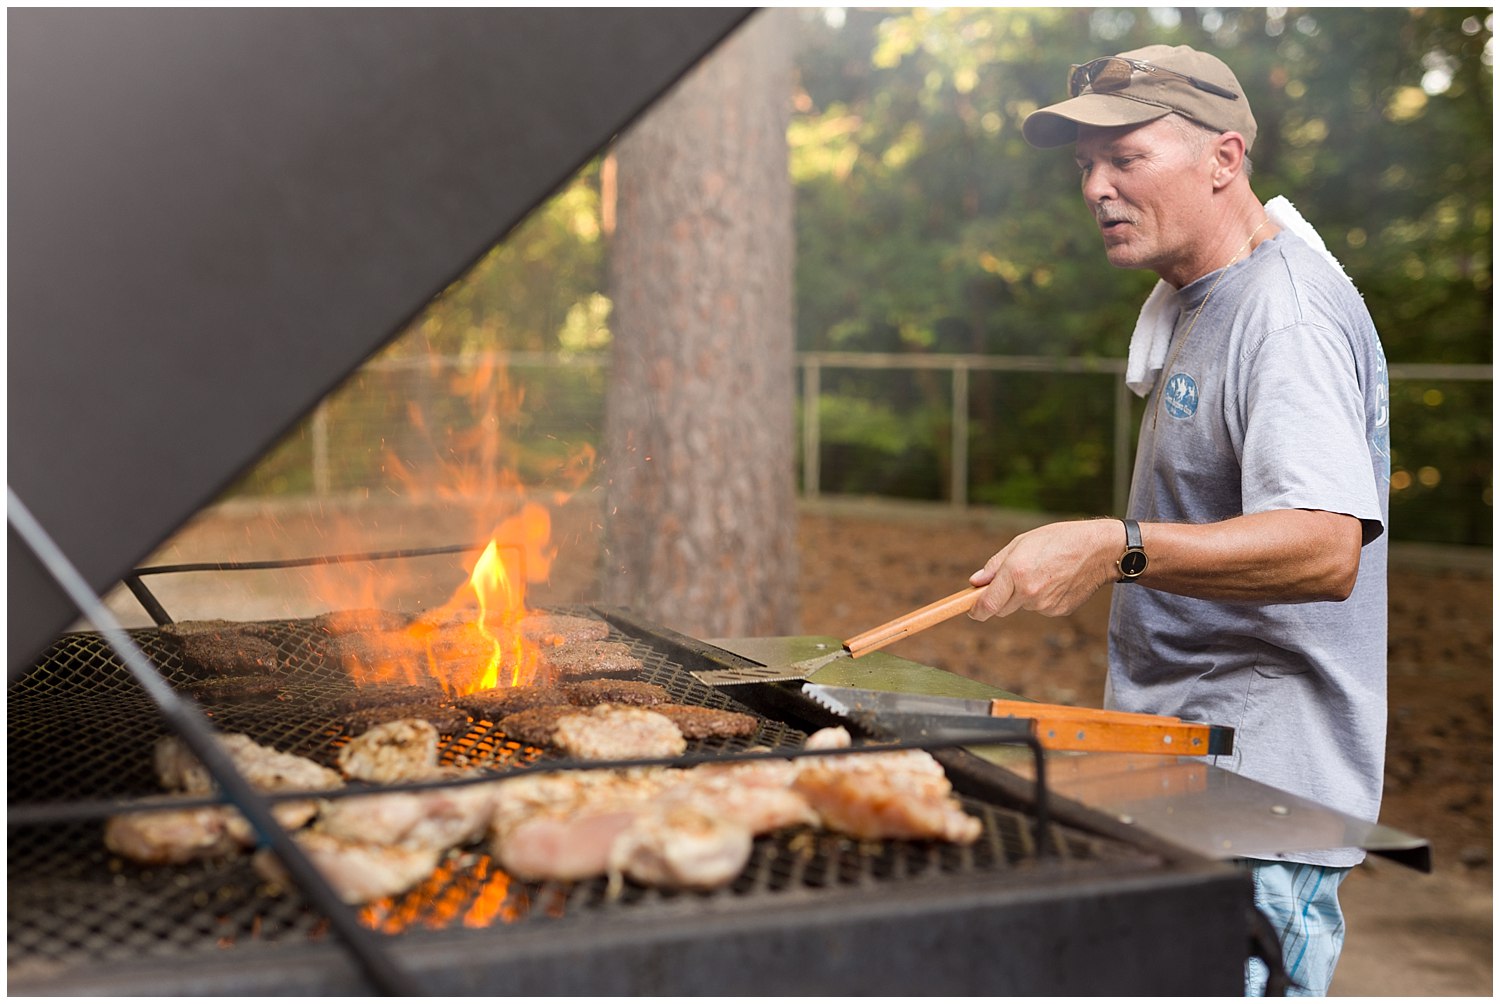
<point x="1302" y="903"/>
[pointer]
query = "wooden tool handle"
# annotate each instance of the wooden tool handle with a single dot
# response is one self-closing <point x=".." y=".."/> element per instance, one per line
<point x="908" y="624"/>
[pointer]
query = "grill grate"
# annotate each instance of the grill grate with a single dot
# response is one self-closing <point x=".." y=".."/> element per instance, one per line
<point x="81" y="728"/>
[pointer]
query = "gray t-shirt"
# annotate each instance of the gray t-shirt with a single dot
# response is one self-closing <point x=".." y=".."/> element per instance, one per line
<point x="1279" y="399"/>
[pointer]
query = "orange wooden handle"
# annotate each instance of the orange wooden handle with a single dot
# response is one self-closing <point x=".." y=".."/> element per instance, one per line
<point x="1123" y="737"/>
<point x="918" y="620"/>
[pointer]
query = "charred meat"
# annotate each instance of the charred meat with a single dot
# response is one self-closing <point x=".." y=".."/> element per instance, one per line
<point x="584" y="659"/>
<point x="444" y="717"/>
<point x="708" y="723"/>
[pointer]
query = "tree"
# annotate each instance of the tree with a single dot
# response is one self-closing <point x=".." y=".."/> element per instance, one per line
<point x="700" y="526"/>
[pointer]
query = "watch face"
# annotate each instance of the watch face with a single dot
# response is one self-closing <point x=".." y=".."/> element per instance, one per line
<point x="1132" y="563"/>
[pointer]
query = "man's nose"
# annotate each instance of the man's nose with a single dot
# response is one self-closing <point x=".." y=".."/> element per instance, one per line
<point x="1097" y="186"/>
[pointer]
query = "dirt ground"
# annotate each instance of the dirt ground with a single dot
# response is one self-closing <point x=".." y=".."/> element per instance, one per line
<point x="1409" y="934"/>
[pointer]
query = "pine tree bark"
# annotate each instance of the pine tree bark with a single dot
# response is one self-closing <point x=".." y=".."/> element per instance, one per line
<point x="698" y="446"/>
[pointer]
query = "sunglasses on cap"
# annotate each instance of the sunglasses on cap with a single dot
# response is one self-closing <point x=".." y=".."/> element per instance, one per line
<point x="1113" y="73"/>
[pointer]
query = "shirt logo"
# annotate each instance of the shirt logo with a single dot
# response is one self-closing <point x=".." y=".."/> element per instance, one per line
<point x="1181" y="396"/>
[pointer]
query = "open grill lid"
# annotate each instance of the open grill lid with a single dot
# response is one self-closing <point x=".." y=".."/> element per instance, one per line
<point x="216" y="215"/>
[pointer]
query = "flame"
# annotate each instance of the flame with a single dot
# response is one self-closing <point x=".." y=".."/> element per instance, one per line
<point x="474" y="896"/>
<point x="454" y="461"/>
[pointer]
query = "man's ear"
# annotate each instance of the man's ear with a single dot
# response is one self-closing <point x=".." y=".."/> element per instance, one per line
<point x="1229" y="158"/>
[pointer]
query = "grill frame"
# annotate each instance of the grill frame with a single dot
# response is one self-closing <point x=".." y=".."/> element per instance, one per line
<point x="850" y="936"/>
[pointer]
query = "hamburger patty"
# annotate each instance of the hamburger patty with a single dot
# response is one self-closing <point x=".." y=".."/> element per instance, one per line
<point x="499" y="702"/>
<point x="229" y="653"/>
<point x="708" y="723"/>
<point x="584" y="659"/>
<point x="444" y="717"/>
<point x="607" y="690"/>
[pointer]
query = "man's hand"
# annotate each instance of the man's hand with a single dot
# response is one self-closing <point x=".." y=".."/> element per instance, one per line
<point x="1052" y="569"/>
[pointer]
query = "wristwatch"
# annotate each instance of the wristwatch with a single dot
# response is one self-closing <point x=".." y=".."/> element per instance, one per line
<point x="1132" y="563"/>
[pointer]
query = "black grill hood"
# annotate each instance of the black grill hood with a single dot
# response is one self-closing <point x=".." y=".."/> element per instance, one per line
<point x="217" y="215"/>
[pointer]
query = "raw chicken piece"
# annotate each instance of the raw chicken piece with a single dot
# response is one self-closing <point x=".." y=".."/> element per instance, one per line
<point x="758" y="808"/>
<point x="562" y="826"/>
<point x="402" y="750"/>
<point x="565" y="847"/>
<point x="681" y="846"/>
<point x="436" y="819"/>
<point x="358" y="872"/>
<point x="609" y="732"/>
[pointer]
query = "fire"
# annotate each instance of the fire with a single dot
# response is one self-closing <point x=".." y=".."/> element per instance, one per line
<point x="492" y="585"/>
<point x="457" y="478"/>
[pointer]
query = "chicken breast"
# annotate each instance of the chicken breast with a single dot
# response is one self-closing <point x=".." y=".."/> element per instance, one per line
<point x="875" y="804"/>
<point x="178" y="769"/>
<point x="402" y="750"/>
<point x="682" y="846"/>
<point x="358" y="872"/>
<point x="177" y="836"/>
<point x="610" y="732"/>
<point x="438" y="819"/>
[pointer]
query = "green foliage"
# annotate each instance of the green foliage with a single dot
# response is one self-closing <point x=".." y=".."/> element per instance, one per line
<point x="926" y="224"/>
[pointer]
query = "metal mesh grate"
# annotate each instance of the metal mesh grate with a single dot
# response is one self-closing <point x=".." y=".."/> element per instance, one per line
<point x="82" y="728"/>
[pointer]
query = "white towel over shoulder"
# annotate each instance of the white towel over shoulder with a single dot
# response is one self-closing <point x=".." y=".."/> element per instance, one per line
<point x="1153" y="330"/>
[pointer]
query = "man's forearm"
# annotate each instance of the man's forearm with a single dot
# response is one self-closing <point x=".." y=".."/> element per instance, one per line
<point x="1285" y="556"/>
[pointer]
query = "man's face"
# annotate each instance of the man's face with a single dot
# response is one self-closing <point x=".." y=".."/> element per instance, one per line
<point x="1149" y="188"/>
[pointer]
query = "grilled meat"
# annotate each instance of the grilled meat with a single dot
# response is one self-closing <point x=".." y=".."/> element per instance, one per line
<point x="361" y="621"/>
<point x="177" y="836"/>
<point x="386" y="695"/>
<point x="374" y="655"/>
<point x="708" y="723"/>
<point x="584" y="659"/>
<point x="563" y="826"/>
<point x="402" y="750"/>
<point x="225" y="689"/>
<point x="264" y="768"/>
<point x="760" y="801"/>
<point x="562" y="629"/>
<point x="172" y="836"/>
<point x="499" y="702"/>
<point x="535" y="726"/>
<point x="637" y="693"/>
<point x="681" y="846"/>
<point x="228" y="653"/>
<point x="357" y="872"/>
<point x="443" y="716"/>
<point x="608" y="732"/>
<point x="435" y="820"/>
<point x="901" y="794"/>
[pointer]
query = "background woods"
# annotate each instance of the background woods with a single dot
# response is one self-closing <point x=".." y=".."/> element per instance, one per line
<point x="926" y="229"/>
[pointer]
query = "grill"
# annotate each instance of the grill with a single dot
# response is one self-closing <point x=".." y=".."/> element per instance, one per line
<point x="82" y="920"/>
<point x="471" y="118"/>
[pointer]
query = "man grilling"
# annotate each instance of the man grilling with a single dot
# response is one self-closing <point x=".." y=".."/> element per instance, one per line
<point x="1251" y="569"/>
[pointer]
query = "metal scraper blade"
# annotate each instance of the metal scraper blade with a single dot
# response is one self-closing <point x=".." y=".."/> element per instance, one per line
<point x="795" y="671"/>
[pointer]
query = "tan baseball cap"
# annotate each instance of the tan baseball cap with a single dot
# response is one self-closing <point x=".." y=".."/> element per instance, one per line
<point x="1164" y="79"/>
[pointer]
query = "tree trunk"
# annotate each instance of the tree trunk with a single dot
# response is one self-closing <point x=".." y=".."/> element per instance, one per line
<point x="701" y="526"/>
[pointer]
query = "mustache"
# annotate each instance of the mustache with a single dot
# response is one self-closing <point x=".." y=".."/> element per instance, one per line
<point x="1107" y="214"/>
